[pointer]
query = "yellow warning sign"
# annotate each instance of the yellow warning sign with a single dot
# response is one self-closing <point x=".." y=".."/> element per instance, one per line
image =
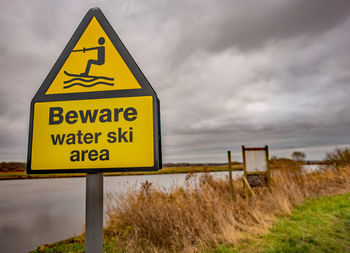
<point x="95" y="110"/>
<point x="94" y="64"/>
<point x="96" y="133"/>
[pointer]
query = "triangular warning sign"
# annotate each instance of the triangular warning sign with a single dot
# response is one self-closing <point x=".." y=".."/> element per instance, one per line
<point x="94" y="60"/>
<point x="95" y="111"/>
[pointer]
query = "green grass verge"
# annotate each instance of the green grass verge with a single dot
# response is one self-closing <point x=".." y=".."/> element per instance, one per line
<point x="318" y="225"/>
<point x="74" y="245"/>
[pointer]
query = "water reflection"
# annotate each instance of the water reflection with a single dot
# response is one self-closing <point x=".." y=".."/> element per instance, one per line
<point x="34" y="212"/>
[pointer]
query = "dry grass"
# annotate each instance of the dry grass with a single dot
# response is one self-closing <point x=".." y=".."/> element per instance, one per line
<point x="201" y="216"/>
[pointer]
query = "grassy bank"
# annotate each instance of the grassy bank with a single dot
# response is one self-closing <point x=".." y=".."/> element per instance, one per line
<point x="202" y="216"/>
<point x="168" y="170"/>
<point x="318" y="225"/>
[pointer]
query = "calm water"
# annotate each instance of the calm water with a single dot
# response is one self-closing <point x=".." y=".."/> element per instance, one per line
<point x="38" y="211"/>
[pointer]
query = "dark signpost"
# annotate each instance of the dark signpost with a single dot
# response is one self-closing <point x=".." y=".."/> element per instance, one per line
<point x="95" y="112"/>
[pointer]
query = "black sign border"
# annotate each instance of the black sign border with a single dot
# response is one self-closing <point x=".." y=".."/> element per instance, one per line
<point x="146" y="90"/>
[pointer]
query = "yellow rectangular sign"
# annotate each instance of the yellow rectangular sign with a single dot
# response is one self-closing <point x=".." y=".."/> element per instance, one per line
<point x="93" y="133"/>
<point x="95" y="111"/>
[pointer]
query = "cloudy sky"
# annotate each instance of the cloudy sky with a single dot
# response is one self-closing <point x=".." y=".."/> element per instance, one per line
<point x="228" y="73"/>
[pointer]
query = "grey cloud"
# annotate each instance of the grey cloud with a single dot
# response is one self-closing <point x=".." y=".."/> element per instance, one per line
<point x="274" y="21"/>
<point x="227" y="72"/>
<point x="246" y="25"/>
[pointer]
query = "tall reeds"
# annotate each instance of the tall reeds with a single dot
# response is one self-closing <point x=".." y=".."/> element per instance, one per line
<point x="203" y="215"/>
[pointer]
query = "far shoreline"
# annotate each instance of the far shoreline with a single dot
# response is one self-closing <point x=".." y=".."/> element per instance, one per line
<point x="16" y="171"/>
<point x="167" y="170"/>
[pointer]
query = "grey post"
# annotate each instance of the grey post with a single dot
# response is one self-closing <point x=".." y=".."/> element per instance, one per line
<point x="94" y="213"/>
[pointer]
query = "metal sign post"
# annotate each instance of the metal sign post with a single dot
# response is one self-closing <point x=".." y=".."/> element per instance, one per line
<point x="94" y="213"/>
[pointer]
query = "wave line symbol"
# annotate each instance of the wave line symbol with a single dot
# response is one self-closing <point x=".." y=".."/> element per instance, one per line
<point x="87" y="85"/>
<point x="82" y="80"/>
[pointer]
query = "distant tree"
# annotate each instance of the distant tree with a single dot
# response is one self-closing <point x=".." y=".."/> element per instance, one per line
<point x="298" y="156"/>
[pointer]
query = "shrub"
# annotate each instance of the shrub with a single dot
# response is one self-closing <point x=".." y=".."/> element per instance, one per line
<point x="202" y="215"/>
<point x="339" y="157"/>
<point x="283" y="164"/>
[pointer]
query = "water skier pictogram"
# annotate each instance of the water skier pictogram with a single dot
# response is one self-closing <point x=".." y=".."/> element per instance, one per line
<point x="84" y="77"/>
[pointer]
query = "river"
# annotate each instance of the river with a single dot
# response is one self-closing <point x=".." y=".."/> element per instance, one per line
<point x="39" y="211"/>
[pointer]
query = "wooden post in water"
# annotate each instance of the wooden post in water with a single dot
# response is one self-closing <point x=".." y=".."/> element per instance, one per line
<point x="94" y="213"/>
<point x="230" y="175"/>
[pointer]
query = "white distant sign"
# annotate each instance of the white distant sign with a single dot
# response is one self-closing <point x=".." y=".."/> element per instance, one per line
<point x="255" y="160"/>
<point x="256" y="166"/>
